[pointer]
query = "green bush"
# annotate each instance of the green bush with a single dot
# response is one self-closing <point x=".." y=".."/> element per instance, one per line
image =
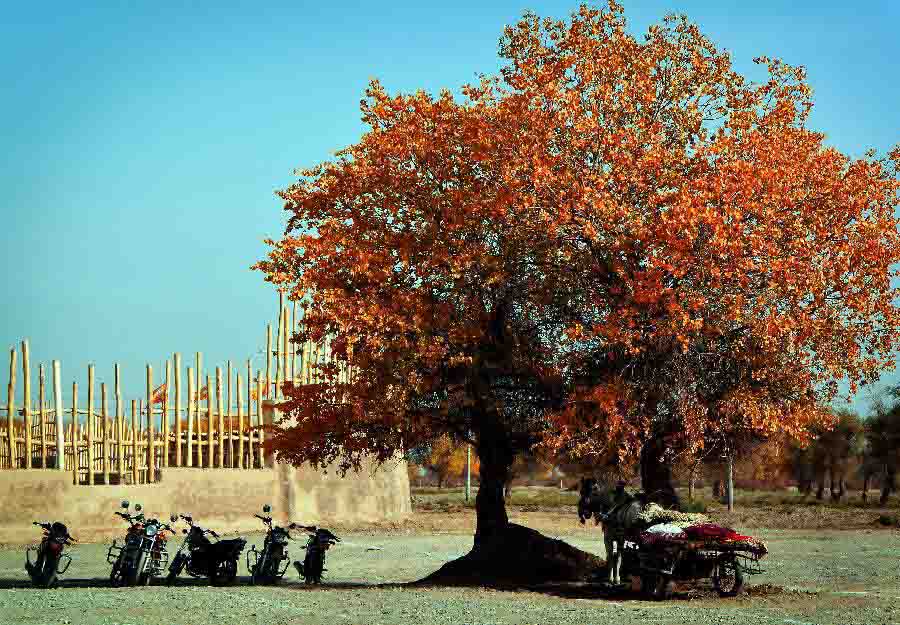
<point x="693" y="506"/>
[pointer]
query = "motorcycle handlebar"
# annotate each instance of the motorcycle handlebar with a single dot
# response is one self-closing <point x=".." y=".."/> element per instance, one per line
<point x="213" y="533"/>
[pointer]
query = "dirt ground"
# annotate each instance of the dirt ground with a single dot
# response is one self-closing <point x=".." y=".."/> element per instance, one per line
<point x="813" y="576"/>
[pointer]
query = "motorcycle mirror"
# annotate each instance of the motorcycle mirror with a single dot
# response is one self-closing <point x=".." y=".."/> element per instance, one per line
<point x="173" y="518"/>
<point x="267" y="508"/>
<point x="137" y="507"/>
<point x="125" y="504"/>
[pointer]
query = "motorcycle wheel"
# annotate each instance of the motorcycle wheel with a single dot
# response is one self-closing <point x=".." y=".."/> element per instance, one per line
<point x="272" y="570"/>
<point x="312" y="568"/>
<point x="115" y="576"/>
<point x="136" y="573"/>
<point x="174" y="570"/>
<point x="46" y="576"/>
<point x="728" y="578"/>
<point x="256" y="573"/>
<point x="225" y="573"/>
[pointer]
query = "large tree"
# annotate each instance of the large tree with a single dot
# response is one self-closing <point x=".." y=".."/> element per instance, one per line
<point x="613" y="247"/>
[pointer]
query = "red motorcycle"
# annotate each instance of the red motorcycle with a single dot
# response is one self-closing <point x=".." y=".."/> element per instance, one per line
<point x="45" y="571"/>
<point x="143" y="555"/>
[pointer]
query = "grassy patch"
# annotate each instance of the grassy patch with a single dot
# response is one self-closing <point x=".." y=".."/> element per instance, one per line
<point x="429" y="498"/>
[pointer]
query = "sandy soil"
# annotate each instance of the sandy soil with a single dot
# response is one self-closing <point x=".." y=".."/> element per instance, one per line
<point x="813" y="576"/>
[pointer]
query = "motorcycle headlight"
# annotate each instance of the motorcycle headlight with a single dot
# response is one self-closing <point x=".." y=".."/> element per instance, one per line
<point x="150" y="530"/>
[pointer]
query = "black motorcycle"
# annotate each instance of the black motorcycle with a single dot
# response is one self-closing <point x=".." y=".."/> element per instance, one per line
<point x="269" y="565"/>
<point x="143" y="555"/>
<point x="44" y="571"/>
<point x="201" y="557"/>
<point x="313" y="565"/>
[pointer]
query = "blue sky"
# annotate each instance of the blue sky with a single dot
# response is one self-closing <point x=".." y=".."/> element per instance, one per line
<point x="141" y="145"/>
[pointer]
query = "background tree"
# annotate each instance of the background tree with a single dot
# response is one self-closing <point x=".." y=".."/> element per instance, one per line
<point x="615" y="247"/>
<point x="828" y="457"/>
<point x="881" y="456"/>
<point x="446" y="460"/>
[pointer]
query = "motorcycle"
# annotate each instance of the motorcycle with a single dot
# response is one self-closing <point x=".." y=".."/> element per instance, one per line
<point x="313" y="565"/>
<point x="143" y="554"/>
<point x="201" y="557"/>
<point x="265" y="566"/>
<point x="45" y="570"/>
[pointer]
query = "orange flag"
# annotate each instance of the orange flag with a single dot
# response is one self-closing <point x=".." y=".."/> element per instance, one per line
<point x="159" y="394"/>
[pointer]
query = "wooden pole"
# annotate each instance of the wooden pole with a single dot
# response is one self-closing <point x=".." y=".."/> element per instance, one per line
<point x="240" y="415"/>
<point x="221" y="415"/>
<point x="58" y="416"/>
<point x="11" y="409"/>
<point x="198" y="366"/>
<point x="189" y="461"/>
<point x="304" y="363"/>
<point x="262" y="436"/>
<point x="76" y="458"/>
<point x="315" y="364"/>
<point x="26" y="401"/>
<point x="278" y="356"/>
<point x="43" y="414"/>
<point x="165" y="427"/>
<point x="90" y="426"/>
<point x="284" y="348"/>
<point x="230" y="435"/>
<point x="268" y="361"/>
<point x="104" y="445"/>
<point x="120" y="440"/>
<point x="209" y="424"/>
<point x="292" y="350"/>
<point x="151" y="449"/>
<point x="177" y="410"/>
<point x="120" y="423"/>
<point x="134" y="442"/>
<point x="249" y="414"/>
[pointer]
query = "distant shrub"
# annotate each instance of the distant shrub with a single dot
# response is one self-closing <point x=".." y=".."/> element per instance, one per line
<point x="693" y="506"/>
<point x="886" y="519"/>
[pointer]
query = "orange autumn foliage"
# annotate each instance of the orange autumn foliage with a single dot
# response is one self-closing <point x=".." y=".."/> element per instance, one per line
<point x="447" y="459"/>
<point x="612" y="238"/>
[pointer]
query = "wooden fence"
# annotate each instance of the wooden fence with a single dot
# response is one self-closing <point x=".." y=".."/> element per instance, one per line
<point x="187" y="420"/>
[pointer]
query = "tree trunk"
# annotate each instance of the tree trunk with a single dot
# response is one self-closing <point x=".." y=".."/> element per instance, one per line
<point x="496" y="457"/>
<point x="656" y="474"/>
<point x="503" y="552"/>
<point x="865" y="488"/>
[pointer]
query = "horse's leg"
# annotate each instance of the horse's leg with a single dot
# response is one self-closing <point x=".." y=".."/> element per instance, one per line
<point x="609" y="544"/>
<point x="617" y="564"/>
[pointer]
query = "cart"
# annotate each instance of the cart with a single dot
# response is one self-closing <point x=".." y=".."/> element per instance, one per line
<point x="660" y="563"/>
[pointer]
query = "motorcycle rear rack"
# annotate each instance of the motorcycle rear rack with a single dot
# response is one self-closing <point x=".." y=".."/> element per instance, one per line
<point x="254" y="553"/>
<point x="113" y="548"/>
<point x="59" y="569"/>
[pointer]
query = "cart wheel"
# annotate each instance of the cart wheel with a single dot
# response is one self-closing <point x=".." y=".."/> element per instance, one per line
<point x="657" y="587"/>
<point x="728" y="578"/>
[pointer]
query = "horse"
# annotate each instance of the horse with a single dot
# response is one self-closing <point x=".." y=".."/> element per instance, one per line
<point x="618" y="512"/>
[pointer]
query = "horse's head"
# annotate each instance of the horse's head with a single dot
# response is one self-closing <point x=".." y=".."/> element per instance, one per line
<point x="594" y="501"/>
